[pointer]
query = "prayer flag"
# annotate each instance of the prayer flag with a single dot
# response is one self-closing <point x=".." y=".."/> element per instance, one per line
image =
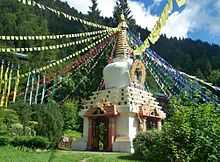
<point x="181" y="3"/>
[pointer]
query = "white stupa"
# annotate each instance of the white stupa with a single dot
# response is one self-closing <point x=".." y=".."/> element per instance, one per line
<point x="113" y="117"/>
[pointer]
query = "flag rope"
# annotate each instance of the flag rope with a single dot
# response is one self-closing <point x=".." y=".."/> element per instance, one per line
<point x="50" y="47"/>
<point x="51" y="37"/>
<point x="44" y="68"/>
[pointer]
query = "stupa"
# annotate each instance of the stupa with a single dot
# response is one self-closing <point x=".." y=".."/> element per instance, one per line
<point x="114" y="116"/>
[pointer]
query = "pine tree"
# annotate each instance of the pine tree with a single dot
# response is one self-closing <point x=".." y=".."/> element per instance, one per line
<point x="94" y="12"/>
<point x="199" y="74"/>
<point x="122" y="7"/>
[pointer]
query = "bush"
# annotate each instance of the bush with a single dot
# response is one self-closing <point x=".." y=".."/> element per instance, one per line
<point x="36" y="142"/>
<point x="39" y="142"/>
<point x="4" y="140"/>
<point x="192" y="134"/>
<point x="72" y="134"/>
<point x="146" y="145"/>
<point x="7" y="118"/>
<point x="50" y="121"/>
<point x="18" y="129"/>
<point x="72" y="120"/>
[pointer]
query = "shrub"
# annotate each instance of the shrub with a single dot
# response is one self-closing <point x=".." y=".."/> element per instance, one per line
<point x="39" y="142"/>
<point x="72" y="120"/>
<point x="50" y="121"/>
<point x="36" y="142"/>
<point x="18" y="129"/>
<point x="72" y="134"/>
<point x="7" y="118"/>
<point x="4" y="140"/>
<point x="192" y="134"/>
<point x="146" y="145"/>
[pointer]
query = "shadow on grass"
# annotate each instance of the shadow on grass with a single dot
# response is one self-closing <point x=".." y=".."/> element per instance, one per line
<point x="131" y="158"/>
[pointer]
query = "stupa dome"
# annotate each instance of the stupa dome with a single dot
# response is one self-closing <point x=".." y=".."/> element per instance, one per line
<point x="116" y="74"/>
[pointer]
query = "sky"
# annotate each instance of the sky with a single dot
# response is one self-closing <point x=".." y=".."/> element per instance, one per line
<point x="199" y="19"/>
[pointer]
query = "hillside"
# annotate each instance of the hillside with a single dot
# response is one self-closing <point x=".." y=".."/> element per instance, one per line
<point x="194" y="57"/>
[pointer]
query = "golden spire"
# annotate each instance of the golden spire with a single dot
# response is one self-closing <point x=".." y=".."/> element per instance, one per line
<point x="122" y="43"/>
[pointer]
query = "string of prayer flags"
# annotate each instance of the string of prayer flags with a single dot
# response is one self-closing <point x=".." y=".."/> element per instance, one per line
<point x="52" y="37"/>
<point x="51" y="47"/>
<point x="64" y="59"/>
<point x="155" y="33"/>
<point x="172" y="81"/>
<point x="82" y="62"/>
<point x="86" y="76"/>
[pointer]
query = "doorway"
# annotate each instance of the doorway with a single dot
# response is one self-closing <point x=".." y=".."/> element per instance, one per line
<point x="100" y="131"/>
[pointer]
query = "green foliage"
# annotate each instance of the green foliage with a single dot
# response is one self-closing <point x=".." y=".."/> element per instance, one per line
<point x="193" y="57"/>
<point x="25" y="115"/>
<point x="72" y="134"/>
<point x="42" y="120"/>
<point x="146" y="146"/>
<point x="7" y="118"/>
<point x="35" y="142"/>
<point x="214" y="77"/>
<point x="72" y="120"/>
<point x="4" y="140"/>
<point x="18" y="129"/>
<point x="50" y="121"/>
<point x="122" y="7"/>
<point x="191" y="134"/>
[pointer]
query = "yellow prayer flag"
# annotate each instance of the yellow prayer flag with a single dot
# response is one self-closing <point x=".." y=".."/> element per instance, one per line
<point x="5" y="87"/>
<point x="9" y="88"/>
<point x="181" y="3"/>
<point x="1" y="77"/>
<point x="170" y="5"/>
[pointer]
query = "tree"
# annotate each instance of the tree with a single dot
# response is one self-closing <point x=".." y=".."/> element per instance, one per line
<point x="50" y="121"/>
<point x="214" y="77"/>
<point x="94" y="12"/>
<point x="199" y="73"/>
<point x="122" y="7"/>
<point x="72" y="120"/>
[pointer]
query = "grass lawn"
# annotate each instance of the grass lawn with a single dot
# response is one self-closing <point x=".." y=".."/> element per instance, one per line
<point x="11" y="154"/>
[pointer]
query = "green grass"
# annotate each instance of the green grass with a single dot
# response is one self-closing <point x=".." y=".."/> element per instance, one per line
<point x="11" y="154"/>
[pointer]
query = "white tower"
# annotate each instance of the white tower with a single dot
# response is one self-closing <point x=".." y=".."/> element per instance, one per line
<point x="114" y="116"/>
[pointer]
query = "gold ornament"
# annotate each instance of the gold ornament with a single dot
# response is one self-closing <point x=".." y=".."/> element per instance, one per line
<point x="138" y="72"/>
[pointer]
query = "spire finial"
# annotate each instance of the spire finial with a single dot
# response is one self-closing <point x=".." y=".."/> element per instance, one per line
<point x="122" y="44"/>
